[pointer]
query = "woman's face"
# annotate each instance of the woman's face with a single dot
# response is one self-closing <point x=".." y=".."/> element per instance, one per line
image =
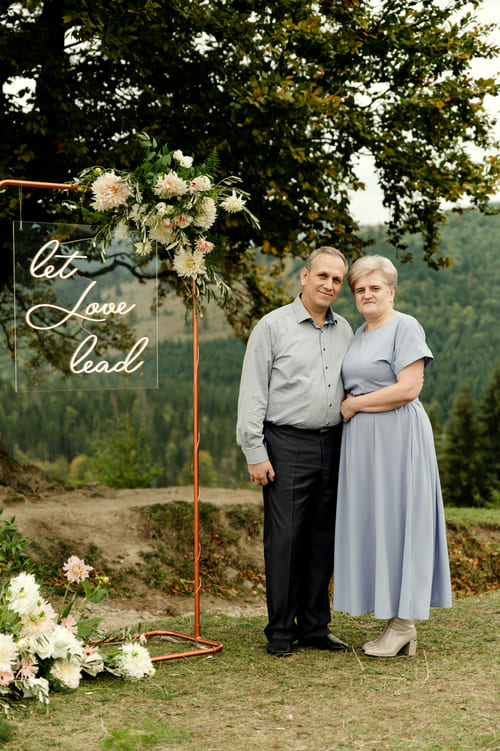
<point x="373" y="296"/>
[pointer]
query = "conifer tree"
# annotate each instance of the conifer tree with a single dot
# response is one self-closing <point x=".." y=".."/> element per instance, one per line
<point x="462" y="472"/>
<point x="489" y="426"/>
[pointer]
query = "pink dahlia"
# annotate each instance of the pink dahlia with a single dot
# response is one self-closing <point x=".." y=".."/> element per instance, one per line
<point x="170" y="185"/>
<point x="200" y="183"/>
<point x="109" y="192"/>
<point x="203" y="245"/>
<point x="76" y="570"/>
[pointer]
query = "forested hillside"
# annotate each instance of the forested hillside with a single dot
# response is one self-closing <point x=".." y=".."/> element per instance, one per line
<point x="67" y="432"/>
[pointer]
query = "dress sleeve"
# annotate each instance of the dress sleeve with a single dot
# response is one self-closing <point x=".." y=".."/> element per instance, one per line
<point x="410" y="344"/>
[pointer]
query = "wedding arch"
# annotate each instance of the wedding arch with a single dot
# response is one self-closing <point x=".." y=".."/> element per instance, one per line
<point x="203" y="646"/>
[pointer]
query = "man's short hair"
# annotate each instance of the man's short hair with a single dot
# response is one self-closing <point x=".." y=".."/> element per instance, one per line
<point x="325" y="249"/>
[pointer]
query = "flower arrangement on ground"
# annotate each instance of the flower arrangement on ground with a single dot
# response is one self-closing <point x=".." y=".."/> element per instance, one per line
<point x="41" y="649"/>
<point x="171" y="205"/>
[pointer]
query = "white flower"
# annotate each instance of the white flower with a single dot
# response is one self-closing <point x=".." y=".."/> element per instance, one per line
<point x="67" y="673"/>
<point x="23" y="593"/>
<point x="41" y="645"/>
<point x="233" y="203"/>
<point x="170" y="185"/>
<point x="206" y="213"/>
<point x="133" y="661"/>
<point x="8" y="652"/>
<point x="199" y="184"/>
<point x="109" y="192"/>
<point x="164" y="209"/>
<point x="143" y="248"/>
<point x="41" y="620"/>
<point x="190" y="264"/>
<point x="163" y="233"/>
<point x="59" y="644"/>
<point x="184" y="161"/>
<point x="66" y="645"/>
<point x="136" y="213"/>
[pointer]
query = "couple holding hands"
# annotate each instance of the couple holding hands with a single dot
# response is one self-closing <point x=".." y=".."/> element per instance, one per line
<point x="333" y="429"/>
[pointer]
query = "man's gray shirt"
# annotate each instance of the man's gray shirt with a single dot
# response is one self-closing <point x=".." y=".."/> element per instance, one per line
<point x="291" y="375"/>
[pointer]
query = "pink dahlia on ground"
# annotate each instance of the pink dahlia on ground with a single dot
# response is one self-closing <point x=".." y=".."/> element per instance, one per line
<point x="76" y="570"/>
<point x="109" y="192"/>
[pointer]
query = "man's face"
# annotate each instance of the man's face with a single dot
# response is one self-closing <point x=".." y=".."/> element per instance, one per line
<point x="322" y="284"/>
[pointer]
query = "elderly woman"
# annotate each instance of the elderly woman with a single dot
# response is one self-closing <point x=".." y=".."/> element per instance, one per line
<point x="391" y="556"/>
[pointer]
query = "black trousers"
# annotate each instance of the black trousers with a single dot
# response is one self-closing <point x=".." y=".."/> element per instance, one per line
<point x="299" y="529"/>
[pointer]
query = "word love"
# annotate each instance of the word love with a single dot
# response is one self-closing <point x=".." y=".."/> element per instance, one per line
<point x="40" y="268"/>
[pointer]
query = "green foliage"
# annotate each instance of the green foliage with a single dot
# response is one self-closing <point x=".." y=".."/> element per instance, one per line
<point x="290" y="93"/>
<point x="13" y="555"/>
<point x="122" y="458"/>
<point x="461" y="469"/>
<point x="469" y="459"/>
<point x="489" y="422"/>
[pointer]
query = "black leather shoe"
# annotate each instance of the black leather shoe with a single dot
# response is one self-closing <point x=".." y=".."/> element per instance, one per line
<point x="279" y="647"/>
<point x="328" y="641"/>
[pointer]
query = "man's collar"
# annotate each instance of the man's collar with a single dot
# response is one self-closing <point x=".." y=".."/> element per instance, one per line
<point x="303" y="314"/>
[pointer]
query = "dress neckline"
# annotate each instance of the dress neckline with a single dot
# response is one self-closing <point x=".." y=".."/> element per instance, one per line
<point x="374" y="331"/>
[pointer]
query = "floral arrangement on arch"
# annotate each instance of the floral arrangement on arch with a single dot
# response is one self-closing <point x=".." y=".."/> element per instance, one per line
<point x="171" y="205"/>
<point x="41" y="649"/>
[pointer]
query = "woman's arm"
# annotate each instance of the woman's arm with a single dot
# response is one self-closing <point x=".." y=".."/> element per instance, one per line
<point x="407" y="388"/>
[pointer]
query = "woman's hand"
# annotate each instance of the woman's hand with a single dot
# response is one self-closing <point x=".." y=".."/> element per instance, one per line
<point x="348" y="408"/>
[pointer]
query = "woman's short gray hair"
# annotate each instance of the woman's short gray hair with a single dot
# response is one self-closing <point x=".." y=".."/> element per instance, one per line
<point x="326" y="249"/>
<point x="369" y="264"/>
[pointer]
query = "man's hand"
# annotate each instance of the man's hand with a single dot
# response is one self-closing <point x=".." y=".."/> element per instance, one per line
<point x="261" y="473"/>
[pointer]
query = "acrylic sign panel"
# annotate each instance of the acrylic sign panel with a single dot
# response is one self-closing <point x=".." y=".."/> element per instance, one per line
<point x="81" y="321"/>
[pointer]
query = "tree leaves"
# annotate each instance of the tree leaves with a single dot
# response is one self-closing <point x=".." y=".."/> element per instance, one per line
<point x="290" y="95"/>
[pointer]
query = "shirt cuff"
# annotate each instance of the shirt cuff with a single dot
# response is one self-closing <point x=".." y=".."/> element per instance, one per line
<point x="256" y="455"/>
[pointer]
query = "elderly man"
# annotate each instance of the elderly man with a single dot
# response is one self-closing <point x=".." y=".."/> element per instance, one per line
<point x="289" y="428"/>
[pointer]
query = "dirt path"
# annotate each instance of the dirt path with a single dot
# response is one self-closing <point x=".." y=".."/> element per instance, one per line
<point x="106" y="517"/>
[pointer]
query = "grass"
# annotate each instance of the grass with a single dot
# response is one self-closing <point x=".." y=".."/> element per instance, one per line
<point x="242" y="699"/>
<point x="469" y="516"/>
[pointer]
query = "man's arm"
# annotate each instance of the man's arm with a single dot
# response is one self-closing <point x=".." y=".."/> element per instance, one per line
<point x="252" y="403"/>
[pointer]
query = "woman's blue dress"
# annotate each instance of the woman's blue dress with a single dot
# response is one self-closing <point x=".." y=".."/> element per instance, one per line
<point x="391" y="556"/>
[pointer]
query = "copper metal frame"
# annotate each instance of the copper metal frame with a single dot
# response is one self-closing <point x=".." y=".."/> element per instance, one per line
<point x="205" y="645"/>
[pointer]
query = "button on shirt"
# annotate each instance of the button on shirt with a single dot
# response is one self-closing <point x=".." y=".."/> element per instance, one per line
<point x="291" y="375"/>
